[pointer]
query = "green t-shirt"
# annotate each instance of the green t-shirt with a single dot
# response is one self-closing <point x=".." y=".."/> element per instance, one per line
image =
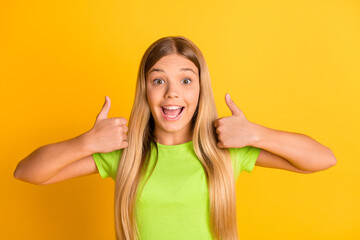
<point x="175" y="201"/>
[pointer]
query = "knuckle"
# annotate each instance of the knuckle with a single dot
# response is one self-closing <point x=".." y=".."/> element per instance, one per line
<point x="123" y="120"/>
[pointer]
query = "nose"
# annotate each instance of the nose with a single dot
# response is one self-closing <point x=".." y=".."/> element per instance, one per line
<point x="171" y="91"/>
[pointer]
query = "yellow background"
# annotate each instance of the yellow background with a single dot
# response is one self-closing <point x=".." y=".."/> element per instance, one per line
<point x="288" y="65"/>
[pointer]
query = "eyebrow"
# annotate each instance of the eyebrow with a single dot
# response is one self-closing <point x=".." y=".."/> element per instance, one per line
<point x="160" y="70"/>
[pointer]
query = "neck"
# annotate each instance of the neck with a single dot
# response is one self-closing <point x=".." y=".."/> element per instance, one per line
<point x="173" y="138"/>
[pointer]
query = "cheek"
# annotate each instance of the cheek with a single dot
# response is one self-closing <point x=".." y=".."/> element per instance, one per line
<point x="150" y="95"/>
<point x="153" y="100"/>
<point x="194" y="96"/>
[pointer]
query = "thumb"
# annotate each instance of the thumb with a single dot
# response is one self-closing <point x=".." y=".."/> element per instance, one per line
<point x="234" y="109"/>
<point x="105" y="109"/>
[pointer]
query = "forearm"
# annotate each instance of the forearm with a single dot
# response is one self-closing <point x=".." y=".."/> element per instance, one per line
<point x="46" y="160"/>
<point x="302" y="151"/>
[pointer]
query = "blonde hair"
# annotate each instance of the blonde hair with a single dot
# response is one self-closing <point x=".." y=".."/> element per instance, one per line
<point x="134" y="159"/>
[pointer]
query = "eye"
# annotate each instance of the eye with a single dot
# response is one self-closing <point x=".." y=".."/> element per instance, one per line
<point x="188" y="80"/>
<point x="155" y="81"/>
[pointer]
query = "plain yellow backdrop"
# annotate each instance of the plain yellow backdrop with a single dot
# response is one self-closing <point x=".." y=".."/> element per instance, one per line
<point x="288" y="65"/>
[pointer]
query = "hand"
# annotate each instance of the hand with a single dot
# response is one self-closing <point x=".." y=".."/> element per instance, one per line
<point x="234" y="131"/>
<point x="108" y="134"/>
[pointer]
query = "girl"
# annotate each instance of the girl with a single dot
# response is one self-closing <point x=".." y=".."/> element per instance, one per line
<point x="176" y="171"/>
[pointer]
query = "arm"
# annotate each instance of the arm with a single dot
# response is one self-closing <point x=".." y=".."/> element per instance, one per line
<point x="43" y="163"/>
<point x="290" y="151"/>
<point x="300" y="150"/>
<point x="270" y="160"/>
<point x="72" y="158"/>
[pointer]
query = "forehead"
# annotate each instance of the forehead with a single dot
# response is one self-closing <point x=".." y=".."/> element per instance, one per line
<point x="173" y="62"/>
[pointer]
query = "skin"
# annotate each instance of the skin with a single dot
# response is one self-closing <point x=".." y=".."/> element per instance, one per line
<point x="173" y="86"/>
<point x="279" y="149"/>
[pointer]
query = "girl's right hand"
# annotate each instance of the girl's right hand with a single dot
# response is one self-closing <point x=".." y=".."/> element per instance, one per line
<point x="107" y="134"/>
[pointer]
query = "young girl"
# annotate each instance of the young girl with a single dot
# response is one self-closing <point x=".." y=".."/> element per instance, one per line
<point x="176" y="166"/>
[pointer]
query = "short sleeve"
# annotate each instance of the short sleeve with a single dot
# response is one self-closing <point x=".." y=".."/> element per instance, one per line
<point x="107" y="163"/>
<point x="244" y="158"/>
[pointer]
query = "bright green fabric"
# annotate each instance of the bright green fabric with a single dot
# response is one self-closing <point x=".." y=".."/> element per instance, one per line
<point x="175" y="201"/>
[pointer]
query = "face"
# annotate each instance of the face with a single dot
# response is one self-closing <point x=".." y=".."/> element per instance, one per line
<point x="173" y="82"/>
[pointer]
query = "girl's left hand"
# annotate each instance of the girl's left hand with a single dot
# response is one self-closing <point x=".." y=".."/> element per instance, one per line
<point x="234" y="131"/>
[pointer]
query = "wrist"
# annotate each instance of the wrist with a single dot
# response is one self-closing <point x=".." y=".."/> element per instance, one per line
<point x="259" y="133"/>
<point x="86" y="144"/>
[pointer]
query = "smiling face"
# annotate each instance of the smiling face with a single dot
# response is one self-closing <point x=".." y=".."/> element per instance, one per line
<point x="171" y="83"/>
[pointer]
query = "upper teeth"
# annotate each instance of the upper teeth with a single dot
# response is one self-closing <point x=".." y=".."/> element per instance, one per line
<point x="172" y="107"/>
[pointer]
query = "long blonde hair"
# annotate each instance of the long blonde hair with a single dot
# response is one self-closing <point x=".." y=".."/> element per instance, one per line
<point x="134" y="159"/>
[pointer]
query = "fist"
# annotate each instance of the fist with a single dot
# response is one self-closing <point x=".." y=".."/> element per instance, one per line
<point x="108" y="134"/>
<point x="234" y="131"/>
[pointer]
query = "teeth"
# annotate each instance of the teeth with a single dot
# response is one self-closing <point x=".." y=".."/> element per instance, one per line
<point x="172" y="107"/>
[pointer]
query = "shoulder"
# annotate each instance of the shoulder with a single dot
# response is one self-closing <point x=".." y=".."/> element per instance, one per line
<point x="107" y="163"/>
<point x="244" y="158"/>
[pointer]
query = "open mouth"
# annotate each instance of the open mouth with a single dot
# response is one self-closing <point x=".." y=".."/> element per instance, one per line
<point x="172" y="114"/>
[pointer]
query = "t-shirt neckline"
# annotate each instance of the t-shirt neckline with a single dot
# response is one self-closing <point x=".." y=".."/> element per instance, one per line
<point x="182" y="145"/>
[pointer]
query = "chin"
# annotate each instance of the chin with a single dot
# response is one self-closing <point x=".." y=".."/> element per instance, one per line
<point x="174" y="126"/>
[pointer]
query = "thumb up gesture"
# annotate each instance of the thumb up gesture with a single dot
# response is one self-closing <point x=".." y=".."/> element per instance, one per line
<point x="108" y="134"/>
<point x="234" y="131"/>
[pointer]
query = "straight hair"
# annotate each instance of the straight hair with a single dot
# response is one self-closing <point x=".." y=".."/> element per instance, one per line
<point x="134" y="160"/>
